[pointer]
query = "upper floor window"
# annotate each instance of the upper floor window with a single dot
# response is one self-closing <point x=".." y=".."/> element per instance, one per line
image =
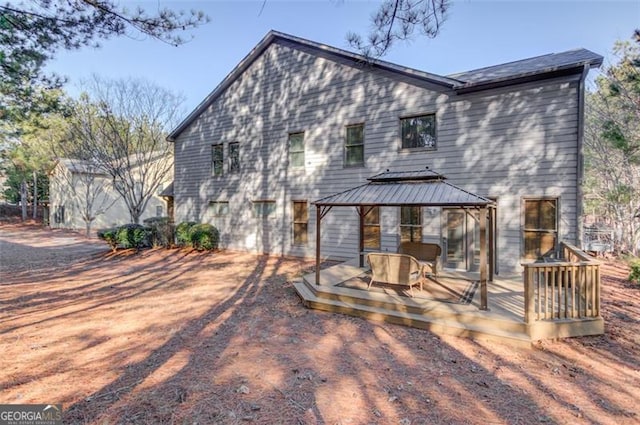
<point x="418" y="132"/>
<point x="410" y="224"/>
<point x="296" y="149"/>
<point x="354" y="146"/>
<point x="540" y="230"/>
<point x="264" y="208"/>
<point x="217" y="159"/>
<point x="234" y="157"/>
<point x="219" y="207"/>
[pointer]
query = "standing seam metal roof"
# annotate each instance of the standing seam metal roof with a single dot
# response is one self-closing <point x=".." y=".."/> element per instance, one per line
<point x="434" y="192"/>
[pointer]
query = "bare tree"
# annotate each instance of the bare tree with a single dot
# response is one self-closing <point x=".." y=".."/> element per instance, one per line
<point x="398" y="20"/>
<point x="122" y="126"/>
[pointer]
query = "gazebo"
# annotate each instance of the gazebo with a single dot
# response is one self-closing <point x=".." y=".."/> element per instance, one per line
<point x="422" y="188"/>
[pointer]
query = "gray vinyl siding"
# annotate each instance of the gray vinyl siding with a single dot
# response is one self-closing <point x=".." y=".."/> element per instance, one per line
<point x="508" y="143"/>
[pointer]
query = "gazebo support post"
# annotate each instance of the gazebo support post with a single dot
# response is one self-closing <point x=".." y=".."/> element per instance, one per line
<point x="321" y="211"/>
<point x="483" y="259"/>
<point x="361" y="215"/>
<point x="492" y="242"/>
<point x="318" y="220"/>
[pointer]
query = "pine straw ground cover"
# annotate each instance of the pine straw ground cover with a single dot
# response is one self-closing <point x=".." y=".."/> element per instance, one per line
<point x="176" y="337"/>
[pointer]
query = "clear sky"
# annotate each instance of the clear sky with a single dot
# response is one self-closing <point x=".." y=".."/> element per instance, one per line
<point x="477" y="33"/>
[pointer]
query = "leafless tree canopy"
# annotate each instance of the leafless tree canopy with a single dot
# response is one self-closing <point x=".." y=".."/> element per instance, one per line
<point x="398" y="20"/>
<point x="121" y="126"/>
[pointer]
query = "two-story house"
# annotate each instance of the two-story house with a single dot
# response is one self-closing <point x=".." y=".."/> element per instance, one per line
<point x="297" y="121"/>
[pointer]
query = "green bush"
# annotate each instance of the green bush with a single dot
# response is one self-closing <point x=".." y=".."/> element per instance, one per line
<point x="183" y="233"/>
<point x="634" y="274"/>
<point x="204" y="237"/>
<point x="110" y="236"/>
<point x="127" y="236"/>
<point x="133" y="236"/>
<point x="162" y="231"/>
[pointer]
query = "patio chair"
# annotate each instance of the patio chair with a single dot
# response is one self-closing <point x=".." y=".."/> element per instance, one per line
<point x="395" y="269"/>
<point x="427" y="253"/>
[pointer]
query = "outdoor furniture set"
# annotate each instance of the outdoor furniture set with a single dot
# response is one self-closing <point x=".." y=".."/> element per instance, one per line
<point x="409" y="267"/>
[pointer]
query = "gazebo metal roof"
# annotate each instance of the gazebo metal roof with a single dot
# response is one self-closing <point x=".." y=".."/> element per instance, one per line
<point x="406" y="188"/>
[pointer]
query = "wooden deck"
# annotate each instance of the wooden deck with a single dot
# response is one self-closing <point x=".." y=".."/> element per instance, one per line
<point x="503" y="321"/>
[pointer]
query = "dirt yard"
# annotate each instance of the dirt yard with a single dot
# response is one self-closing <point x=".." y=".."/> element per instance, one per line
<point x="173" y="337"/>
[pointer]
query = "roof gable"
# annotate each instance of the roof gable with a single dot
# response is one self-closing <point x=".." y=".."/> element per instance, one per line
<point x="479" y="79"/>
<point x="313" y="47"/>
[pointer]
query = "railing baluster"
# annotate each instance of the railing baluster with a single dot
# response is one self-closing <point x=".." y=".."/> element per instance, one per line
<point x="569" y="289"/>
<point x="598" y="289"/>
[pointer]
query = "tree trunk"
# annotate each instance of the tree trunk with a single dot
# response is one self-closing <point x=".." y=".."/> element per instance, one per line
<point x="23" y="198"/>
<point x="88" y="227"/>
<point x="35" y="195"/>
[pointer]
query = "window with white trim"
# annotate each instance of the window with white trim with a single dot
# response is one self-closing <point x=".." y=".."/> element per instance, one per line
<point x="296" y="150"/>
<point x="354" y="146"/>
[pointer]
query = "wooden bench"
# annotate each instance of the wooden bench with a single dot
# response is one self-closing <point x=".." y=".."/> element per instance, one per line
<point x="395" y="269"/>
<point x="427" y="253"/>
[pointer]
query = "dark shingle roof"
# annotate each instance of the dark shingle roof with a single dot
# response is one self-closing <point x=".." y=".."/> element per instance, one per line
<point x="525" y="67"/>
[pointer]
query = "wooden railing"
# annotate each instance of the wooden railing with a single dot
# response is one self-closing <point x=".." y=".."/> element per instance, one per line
<point x="562" y="289"/>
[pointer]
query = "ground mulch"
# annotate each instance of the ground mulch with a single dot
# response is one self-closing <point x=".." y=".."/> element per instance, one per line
<point x="180" y="337"/>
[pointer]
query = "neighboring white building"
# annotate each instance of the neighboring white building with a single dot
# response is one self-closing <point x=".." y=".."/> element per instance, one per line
<point x="297" y="121"/>
<point x="74" y="185"/>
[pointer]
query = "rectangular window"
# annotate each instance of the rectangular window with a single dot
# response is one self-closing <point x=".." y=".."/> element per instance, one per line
<point x="58" y="215"/>
<point x="296" y="149"/>
<point x="159" y="210"/>
<point x="264" y="208"/>
<point x="354" y="146"/>
<point x="540" y="231"/>
<point x="410" y="224"/>
<point x="300" y="222"/>
<point x="219" y="208"/>
<point x="372" y="229"/>
<point x="217" y="159"/>
<point x="234" y="157"/>
<point x="418" y="132"/>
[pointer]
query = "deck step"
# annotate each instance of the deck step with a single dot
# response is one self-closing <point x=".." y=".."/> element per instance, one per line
<point x="454" y="324"/>
<point x="470" y="316"/>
